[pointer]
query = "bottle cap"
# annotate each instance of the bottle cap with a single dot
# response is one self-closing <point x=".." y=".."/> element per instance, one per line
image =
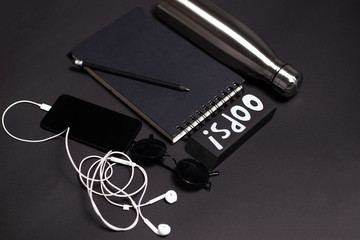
<point x="287" y="81"/>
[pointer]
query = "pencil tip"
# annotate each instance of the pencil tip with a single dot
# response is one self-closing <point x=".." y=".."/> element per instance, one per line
<point x="185" y="89"/>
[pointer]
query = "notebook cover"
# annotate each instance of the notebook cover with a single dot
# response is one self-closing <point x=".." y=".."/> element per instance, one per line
<point x="140" y="43"/>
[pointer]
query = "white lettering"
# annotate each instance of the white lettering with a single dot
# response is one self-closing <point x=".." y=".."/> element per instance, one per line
<point x="213" y="140"/>
<point x="240" y="113"/>
<point x="225" y="131"/>
<point x="249" y="99"/>
<point x="234" y="111"/>
<point x="235" y="125"/>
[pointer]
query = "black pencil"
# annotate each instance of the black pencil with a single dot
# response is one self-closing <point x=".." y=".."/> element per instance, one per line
<point x="131" y="76"/>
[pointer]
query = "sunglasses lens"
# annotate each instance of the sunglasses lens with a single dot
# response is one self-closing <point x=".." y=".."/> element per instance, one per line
<point x="149" y="149"/>
<point x="192" y="172"/>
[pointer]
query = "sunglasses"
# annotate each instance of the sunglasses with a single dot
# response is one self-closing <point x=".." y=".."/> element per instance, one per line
<point x="188" y="170"/>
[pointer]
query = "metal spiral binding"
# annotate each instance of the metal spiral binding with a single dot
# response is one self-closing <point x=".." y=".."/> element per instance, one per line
<point x="210" y="110"/>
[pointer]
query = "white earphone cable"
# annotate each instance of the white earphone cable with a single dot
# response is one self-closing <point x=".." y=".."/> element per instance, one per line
<point x="102" y="167"/>
<point x="100" y="172"/>
<point x="42" y="106"/>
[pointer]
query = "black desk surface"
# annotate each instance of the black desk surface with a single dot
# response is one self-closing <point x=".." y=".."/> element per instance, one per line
<point x="297" y="178"/>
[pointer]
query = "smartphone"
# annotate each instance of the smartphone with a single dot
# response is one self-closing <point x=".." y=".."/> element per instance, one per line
<point x="90" y="124"/>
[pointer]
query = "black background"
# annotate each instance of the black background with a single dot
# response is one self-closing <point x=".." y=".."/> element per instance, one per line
<point x="297" y="178"/>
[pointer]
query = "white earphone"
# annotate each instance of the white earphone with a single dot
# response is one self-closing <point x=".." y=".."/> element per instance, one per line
<point x="170" y="197"/>
<point x="104" y="176"/>
<point x="101" y="171"/>
<point x="161" y="230"/>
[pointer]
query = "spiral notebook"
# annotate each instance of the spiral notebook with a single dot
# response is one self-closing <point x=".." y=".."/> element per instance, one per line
<point x="139" y="43"/>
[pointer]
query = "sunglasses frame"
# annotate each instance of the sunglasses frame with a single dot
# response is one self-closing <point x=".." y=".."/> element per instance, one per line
<point x="155" y="150"/>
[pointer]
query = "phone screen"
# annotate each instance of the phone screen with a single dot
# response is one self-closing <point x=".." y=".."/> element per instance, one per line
<point x="91" y="124"/>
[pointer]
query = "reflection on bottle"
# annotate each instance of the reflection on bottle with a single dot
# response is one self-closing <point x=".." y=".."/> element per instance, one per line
<point x="231" y="41"/>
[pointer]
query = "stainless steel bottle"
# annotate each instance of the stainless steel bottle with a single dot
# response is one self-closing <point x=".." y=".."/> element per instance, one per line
<point x="230" y="41"/>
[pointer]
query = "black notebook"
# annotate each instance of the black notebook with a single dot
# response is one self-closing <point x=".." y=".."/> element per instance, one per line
<point x="139" y="43"/>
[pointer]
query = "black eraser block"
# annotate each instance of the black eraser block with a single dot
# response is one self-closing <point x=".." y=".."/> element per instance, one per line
<point x="230" y="128"/>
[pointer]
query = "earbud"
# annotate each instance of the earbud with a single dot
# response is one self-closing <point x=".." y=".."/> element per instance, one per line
<point x="164" y="229"/>
<point x="161" y="230"/>
<point x="170" y="197"/>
